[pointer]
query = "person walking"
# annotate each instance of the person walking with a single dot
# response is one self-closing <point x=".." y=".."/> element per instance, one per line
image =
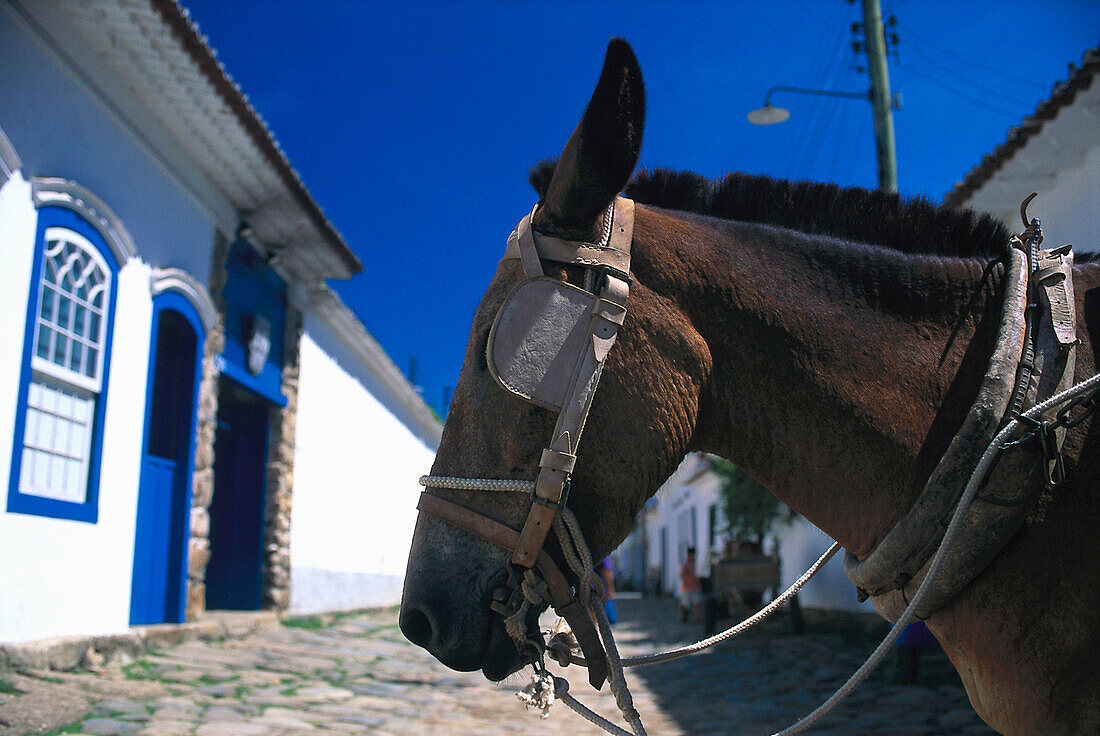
<point x="690" y="589"/>
<point x="607" y="575"/>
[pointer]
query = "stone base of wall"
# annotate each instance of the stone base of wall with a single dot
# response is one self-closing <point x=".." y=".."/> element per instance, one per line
<point x="89" y="652"/>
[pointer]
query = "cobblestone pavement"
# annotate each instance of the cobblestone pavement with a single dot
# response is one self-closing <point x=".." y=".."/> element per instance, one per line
<point x="357" y="675"/>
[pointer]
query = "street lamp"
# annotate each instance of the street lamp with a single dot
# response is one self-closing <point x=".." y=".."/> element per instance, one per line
<point x="769" y="114"/>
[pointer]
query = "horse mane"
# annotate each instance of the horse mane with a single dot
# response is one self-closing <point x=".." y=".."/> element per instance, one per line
<point x="912" y="225"/>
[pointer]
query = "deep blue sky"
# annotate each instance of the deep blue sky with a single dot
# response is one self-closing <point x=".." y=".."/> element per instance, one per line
<point x="414" y="123"/>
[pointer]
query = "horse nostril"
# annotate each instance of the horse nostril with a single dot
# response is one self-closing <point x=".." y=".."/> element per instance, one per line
<point x="416" y="626"/>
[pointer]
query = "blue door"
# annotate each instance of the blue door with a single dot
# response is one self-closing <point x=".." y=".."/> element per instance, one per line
<point x="234" y="575"/>
<point x="158" y="587"/>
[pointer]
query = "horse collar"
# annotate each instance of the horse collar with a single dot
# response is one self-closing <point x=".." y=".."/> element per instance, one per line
<point x="1033" y="360"/>
<point x="557" y="367"/>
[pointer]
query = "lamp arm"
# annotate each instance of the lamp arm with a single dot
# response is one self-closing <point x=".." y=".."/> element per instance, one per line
<point x="822" y="92"/>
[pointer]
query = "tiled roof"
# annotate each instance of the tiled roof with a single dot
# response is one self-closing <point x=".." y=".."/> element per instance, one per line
<point x="149" y="65"/>
<point x="1064" y="94"/>
<point x="186" y="32"/>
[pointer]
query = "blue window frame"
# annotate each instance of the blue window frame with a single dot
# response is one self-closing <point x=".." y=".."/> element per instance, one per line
<point x="63" y="383"/>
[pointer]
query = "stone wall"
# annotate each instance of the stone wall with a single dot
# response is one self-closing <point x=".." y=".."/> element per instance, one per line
<point x="202" y="482"/>
<point x="280" y="473"/>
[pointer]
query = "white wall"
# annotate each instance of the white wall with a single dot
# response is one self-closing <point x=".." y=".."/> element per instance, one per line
<point x="67" y="577"/>
<point x="60" y="130"/>
<point x="355" y="484"/>
<point x="800" y="544"/>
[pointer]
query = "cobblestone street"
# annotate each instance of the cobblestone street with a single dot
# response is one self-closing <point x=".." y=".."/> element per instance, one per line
<point x="357" y="675"/>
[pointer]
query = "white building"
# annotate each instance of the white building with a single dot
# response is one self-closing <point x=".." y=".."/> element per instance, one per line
<point x="1056" y="152"/>
<point x="174" y="371"/>
<point x="687" y="512"/>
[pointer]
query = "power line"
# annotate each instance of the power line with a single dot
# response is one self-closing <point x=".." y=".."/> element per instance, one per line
<point x="968" y="80"/>
<point x="970" y="62"/>
<point x="954" y="90"/>
<point x="828" y="74"/>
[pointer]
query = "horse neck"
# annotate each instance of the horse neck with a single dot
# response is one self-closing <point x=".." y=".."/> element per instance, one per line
<point x="840" y="372"/>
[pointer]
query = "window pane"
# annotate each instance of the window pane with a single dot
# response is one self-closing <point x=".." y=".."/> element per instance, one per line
<point x="48" y="300"/>
<point x="41" y="476"/>
<point x="60" y="349"/>
<point x="48" y="399"/>
<point x="93" y="326"/>
<point x="44" y="439"/>
<point x="80" y="316"/>
<point x="76" y="481"/>
<point x="78" y="440"/>
<point x="65" y="404"/>
<point x="82" y="410"/>
<point x="57" y="475"/>
<point x="61" y="436"/>
<point x="74" y="358"/>
<point x="63" y="315"/>
<point x="91" y="364"/>
<point x="31" y="430"/>
<point x="43" y="349"/>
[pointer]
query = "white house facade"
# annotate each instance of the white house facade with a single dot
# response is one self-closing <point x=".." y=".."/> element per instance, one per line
<point x="174" y="372"/>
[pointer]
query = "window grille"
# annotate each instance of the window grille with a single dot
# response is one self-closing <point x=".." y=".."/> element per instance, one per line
<point x="67" y="367"/>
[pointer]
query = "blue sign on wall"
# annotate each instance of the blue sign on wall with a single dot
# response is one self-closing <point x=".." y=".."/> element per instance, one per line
<point x="255" y="317"/>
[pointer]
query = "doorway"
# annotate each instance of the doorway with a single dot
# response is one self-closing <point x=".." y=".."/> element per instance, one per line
<point x="234" y="575"/>
<point x="159" y="578"/>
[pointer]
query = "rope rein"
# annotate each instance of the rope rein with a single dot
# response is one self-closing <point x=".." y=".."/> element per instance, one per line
<point x="579" y="558"/>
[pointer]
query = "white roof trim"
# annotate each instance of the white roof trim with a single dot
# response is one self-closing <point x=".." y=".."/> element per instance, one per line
<point x="147" y="64"/>
<point x="324" y="303"/>
<point x="183" y="283"/>
<point x="47" y="191"/>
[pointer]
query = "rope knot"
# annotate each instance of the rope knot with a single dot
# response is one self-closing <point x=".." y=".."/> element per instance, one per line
<point x="539" y="693"/>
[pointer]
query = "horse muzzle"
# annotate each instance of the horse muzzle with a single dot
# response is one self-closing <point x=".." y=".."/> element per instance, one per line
<point x="445" y="605"/>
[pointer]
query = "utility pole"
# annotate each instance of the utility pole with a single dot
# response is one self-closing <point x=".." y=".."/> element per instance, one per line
<point x="880" y="96"/>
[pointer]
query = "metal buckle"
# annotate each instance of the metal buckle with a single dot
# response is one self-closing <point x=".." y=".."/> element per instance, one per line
<point x="535" y="498"/>
<point x="602" y="272"/>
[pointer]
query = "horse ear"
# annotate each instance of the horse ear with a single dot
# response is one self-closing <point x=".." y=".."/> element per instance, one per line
<point x="602" y="152"/>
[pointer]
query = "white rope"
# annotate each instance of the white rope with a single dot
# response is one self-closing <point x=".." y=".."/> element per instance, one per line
<point x="953" y="529"/>
<point x="579" y="554"/>
<point x="477" y="484"/>
<point x="740" y="628"/>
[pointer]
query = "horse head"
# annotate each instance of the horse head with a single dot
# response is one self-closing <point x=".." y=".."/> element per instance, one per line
<point x="638" y="427"/>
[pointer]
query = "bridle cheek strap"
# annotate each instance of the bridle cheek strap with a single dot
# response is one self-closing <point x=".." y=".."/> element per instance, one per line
<point x="608" y="313"/>
<point x="562" y="599"/>
<point x="525" y="364"/>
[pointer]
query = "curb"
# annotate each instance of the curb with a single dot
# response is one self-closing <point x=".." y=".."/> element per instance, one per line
<point x="65" y="653"/>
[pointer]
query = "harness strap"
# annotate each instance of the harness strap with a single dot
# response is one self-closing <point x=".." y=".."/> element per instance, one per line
<point x="608" y="315"/>
<point x="1033" y="360"/>
<point x="562" y="599"/>
<point x="522" y="243"/>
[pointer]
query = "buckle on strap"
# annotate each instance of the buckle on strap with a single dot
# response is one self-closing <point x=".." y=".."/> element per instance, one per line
<point x="556" y="506"/>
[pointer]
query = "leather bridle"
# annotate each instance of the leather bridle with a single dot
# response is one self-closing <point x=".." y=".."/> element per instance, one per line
<point x="558" y="369"/>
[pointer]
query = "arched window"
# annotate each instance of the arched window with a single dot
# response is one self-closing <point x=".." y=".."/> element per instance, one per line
<point x="63" y="389"/>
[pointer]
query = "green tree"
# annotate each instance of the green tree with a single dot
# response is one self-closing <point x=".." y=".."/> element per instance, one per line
<point x="751" y="510"/>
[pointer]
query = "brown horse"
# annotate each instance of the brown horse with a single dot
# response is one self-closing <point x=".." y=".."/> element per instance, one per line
<point x="827" y="341"/>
